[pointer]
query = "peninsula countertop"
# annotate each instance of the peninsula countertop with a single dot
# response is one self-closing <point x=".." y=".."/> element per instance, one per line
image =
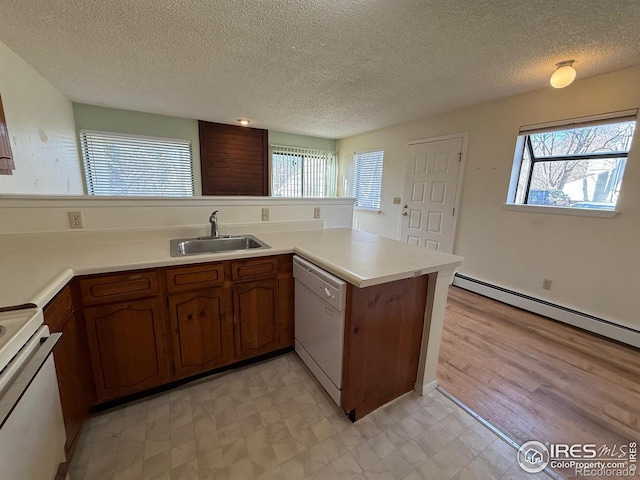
<point x="35" y="267"/>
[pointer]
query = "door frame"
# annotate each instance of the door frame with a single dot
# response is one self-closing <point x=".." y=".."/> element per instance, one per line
<point x="463" y="160"/>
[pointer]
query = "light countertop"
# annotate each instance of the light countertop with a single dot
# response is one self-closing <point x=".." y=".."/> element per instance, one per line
<point x="35" y="268"/>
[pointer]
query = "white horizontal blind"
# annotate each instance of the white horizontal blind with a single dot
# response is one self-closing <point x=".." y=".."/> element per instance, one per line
<point x="122" y="164"/>
<point x="367" y="179"/>
<point x="303" y="172"/>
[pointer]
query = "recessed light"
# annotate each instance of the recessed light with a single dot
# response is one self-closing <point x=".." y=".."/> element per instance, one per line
<point x="244" y="121"/>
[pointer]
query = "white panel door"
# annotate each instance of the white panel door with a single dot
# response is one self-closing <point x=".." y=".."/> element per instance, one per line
<point x="430" y="185"/>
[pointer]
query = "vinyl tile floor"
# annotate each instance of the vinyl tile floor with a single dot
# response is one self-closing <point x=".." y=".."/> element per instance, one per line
<point x="273" y="420"/>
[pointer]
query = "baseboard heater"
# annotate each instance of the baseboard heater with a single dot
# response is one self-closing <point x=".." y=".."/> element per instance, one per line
<point x="566" y="315"/>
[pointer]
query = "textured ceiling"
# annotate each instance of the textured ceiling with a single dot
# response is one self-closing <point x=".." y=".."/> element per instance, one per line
<point x="329" y="68"/>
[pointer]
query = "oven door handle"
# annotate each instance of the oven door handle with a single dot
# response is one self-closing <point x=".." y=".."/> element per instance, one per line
<point x="22" y="382"/>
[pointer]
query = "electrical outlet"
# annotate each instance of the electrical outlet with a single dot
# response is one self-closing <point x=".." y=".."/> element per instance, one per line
<point x="316" y="212"/>
<point x="76" y="220"/>
<point x="546" y="284"/>
<point x="265" y="214"/>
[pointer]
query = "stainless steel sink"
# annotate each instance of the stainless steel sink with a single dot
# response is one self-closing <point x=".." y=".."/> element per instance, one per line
<point x="197" y="246"/>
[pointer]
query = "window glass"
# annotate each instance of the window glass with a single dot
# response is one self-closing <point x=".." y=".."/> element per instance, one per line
<point x="367" y="179"/>
<point x="121" y="164"/>
<point x="577" y="141"/>
<point x="580" y="167"/>
<point x="302" y="172"/>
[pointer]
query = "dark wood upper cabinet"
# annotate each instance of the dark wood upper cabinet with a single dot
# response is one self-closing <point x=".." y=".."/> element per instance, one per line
<point x="6" y="157"/>
<point x="234" y="160"/>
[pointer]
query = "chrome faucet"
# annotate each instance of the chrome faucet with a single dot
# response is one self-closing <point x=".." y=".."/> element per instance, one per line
<point x="213" y="219"/>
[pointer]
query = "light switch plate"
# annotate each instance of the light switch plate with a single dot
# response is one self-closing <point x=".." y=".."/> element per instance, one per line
<point x="397" y="200"/>
<point x="265" y="214"/>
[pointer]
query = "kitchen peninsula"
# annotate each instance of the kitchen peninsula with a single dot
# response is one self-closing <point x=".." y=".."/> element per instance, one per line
<point x="38" y="269"/>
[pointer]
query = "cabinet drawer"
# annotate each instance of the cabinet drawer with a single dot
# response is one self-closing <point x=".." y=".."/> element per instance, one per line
<point x="112" y="288"/>
<point x="196" y="277"/>
<point x="58" y="311"/>
<point x="253" y="269"/>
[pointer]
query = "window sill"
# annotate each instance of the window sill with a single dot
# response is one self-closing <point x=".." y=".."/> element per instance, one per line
<point x="579" y="212"/>
<point x="368" y="210"/>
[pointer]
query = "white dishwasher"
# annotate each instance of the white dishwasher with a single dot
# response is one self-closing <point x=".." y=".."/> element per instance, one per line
<point x="320" y="300"/>
<point x="32" y="434"/>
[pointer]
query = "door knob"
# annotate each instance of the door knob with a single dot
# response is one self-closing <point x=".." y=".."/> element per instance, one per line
<point x="404" y="214"/>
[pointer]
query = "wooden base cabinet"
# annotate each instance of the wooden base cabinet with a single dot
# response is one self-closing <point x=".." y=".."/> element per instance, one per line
<point x="256" y="318"/>
<point x="150" y="327"/>
<point x="72" y="366"/>
<point x="383" y="336"/>
<point x="201" y="331"/>
<point x="126" y="341"/>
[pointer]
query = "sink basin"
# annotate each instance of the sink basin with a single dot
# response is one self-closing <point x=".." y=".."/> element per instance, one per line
<point x="198" y="246"/>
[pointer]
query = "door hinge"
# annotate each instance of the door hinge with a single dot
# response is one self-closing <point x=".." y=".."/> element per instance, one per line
<point x="460" y="157"/>
<point x="454" y="212"/>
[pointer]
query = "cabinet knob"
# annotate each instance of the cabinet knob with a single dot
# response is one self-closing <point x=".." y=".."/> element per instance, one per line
<point x="189" y="317"/>
<point x="201" y="314"/>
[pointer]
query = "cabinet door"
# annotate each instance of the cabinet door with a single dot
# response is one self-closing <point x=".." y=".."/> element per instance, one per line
<point x="72" y="361"/>
<point x="255" y="311"/>
<point x="285" y="301"/>
<point x="202" y="330"/>
<point x="126" y="341"/>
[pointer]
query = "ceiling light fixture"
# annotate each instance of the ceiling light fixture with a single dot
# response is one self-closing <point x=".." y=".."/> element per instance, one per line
<point x="564" y="75"/>
<point x="244" y="121"/>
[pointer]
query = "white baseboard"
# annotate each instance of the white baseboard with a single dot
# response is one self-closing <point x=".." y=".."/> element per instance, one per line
<point x="566" y="315"/>
<point x="426" y="389"/>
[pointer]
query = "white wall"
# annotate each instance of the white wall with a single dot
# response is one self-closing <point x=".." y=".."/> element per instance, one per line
<point x="41" y="129"/>
<point x="593" y="262"/>
<point x="22" y="214"/>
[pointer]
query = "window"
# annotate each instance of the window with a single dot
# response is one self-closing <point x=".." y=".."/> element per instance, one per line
<point x="122" y="164"/>
<point x="367" y="179"/>
<point x="573" y="166"/>
<point x="303" y="172"/>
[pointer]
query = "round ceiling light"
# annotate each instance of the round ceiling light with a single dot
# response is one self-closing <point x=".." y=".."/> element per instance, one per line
<point x="244" y="121"/>
<point x="564" y="75"/>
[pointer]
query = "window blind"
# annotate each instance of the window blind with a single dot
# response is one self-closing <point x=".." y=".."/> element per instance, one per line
<point x="367" y="179"/>
<point x="122" y="164"/>
<point x="303" y="172"/>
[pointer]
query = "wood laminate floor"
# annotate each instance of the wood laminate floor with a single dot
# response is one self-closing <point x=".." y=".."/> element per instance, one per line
<point x="538" y="379"/>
